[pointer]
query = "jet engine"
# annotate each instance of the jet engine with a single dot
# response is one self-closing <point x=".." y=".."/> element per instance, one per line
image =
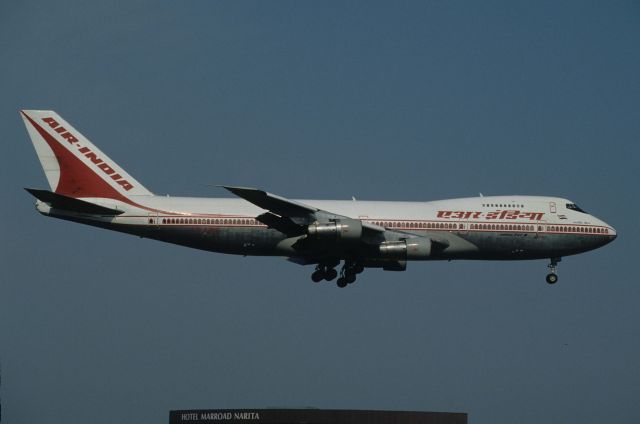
<point x="413" y="249"/>
<point x="343" y="230"/>
<point x="386" y="264"/>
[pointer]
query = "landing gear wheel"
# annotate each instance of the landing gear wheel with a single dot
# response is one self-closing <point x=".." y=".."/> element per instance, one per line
<point x="351" y="278"/>
<point x="317" y="276"/>
<point x="342" y="282"/>
<point x="331" y="274"/>
<point x="552" y="277"/>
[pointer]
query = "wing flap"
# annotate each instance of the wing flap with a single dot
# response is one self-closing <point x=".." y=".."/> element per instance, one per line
<point x="281" y="223"/>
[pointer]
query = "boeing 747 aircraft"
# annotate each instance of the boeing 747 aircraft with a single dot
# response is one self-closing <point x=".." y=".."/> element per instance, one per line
<point x="86" y="186"/>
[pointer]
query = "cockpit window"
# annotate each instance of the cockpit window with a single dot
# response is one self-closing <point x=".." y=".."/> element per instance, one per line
<point x="574" y="207"/>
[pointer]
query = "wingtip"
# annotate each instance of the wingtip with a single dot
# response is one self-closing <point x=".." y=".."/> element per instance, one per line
<point x="231" y="188"/>
<point x="235" y="189"/>
<point x="226" y="187"/>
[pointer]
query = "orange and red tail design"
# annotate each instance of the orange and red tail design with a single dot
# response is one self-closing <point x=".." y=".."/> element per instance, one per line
<point x="73" y="165"/>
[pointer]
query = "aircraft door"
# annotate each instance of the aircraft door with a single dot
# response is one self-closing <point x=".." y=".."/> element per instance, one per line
<point x="153" y="219"/>
<point x="552" y="207"/>
<point x="463" y="227"/>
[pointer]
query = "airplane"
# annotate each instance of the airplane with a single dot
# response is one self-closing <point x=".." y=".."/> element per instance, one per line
<point x="87" y="187"/>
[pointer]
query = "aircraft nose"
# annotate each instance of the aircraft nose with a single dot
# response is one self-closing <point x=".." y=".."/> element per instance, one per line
<point x="611" y="233"/>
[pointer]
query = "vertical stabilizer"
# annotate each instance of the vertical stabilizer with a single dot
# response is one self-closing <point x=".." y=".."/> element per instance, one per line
<point x="73" y="165"/>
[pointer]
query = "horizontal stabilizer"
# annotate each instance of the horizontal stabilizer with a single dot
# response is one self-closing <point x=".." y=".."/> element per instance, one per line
<point x="60" y="201"/>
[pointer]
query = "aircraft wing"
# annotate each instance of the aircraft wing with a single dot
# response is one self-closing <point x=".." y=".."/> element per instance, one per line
<point x="271" y="202"/>
<point x="298" y="219"/>
<point x="287" y="215"/>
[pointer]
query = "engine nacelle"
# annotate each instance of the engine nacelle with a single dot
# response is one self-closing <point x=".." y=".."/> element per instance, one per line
<point x="386" y="264"/>
<point x="344" y="230"/>
<point x="413" y="249"/>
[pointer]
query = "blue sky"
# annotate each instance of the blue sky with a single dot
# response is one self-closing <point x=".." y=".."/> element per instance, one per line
<point x="380" y="100"/>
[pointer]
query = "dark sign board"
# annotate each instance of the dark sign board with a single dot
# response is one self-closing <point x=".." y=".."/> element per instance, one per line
<point x="312" y="416"/>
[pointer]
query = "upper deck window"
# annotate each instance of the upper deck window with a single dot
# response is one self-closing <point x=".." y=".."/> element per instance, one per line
<point x="574" y="207"/>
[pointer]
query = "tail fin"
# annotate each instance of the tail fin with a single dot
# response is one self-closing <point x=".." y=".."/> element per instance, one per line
<point x="73" y="165"/>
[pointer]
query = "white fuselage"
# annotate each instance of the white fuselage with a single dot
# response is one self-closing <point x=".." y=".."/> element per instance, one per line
<point x="500" y="227"/>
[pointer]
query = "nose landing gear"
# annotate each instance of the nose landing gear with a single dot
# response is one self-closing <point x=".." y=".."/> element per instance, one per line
<point x="552" y="277"/>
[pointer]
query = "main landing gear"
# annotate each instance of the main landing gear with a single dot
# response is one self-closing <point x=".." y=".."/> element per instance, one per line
<point x="552" y="277"/>
<point x="324" y="272"/>
<point x="347" y="274"/>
